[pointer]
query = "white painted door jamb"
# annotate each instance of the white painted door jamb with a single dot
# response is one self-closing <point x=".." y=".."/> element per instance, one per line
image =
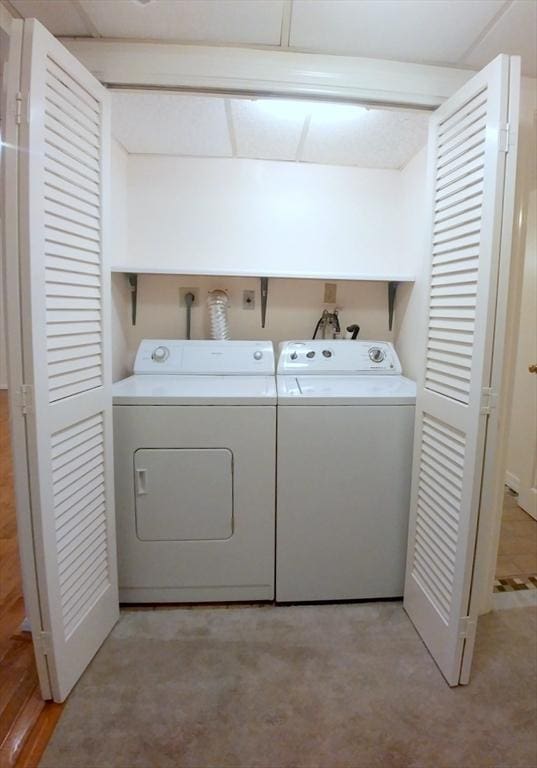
<point x="503" y="365"/>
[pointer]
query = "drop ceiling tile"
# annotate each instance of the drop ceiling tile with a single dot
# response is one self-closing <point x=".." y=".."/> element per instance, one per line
<point x="438" y="31"/>
<point x="225" y="21"/>
<point x="371" y="138"/>
<point x="59" y="16"/>
<point x="170" y="124"/>
<point x="265" y="132"/>
<point x="514" y="33"/>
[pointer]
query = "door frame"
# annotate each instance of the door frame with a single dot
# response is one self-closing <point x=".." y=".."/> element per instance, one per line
<point x="511" y="268"/>
<point x="348" y="87"/>
<point x="251" y="71"/>
<point x="15" y="355"/>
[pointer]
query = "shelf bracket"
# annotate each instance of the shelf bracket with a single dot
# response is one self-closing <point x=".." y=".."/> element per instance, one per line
<point x="133" y="282"/>
<point x="392" y="291"/>
<point x="264" y="297"/>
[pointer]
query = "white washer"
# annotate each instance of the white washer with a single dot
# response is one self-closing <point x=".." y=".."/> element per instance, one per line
<point x="195" y="434"/>
<point x="344" y="459"/>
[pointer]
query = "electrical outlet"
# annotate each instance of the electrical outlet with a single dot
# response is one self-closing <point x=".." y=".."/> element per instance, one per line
<point x="248" y="299"/>
<point x="183" y="292"/>
<point x="330" y="293"/>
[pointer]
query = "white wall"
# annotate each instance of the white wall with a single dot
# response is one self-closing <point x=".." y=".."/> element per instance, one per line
<point x="118" y="249"/>
<point x="411" y="303"/>
<point x="118" y="195"/>
<point x="5" y="21"/>
<point x="3" y="344"/>
<point x="294" y="306"/>
<point x="521" y="469"/>
<point x="176" y="211"/>
<point x="490" y="519"/>
<point x="229" y="216"/>
<point x="523" y="426"/>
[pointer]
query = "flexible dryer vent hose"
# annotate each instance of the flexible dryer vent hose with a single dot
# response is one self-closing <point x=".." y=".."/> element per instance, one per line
<point x="218" y="301"/>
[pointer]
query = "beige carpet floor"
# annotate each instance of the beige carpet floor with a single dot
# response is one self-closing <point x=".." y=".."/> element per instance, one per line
<point x="302" y="687"/>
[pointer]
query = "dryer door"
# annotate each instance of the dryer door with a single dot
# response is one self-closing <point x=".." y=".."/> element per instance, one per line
<point x="183" y="494"/>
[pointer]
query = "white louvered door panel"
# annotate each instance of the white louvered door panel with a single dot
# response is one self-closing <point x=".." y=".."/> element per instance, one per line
<point x="467" y="165"/>
<point x="64" y="180"/>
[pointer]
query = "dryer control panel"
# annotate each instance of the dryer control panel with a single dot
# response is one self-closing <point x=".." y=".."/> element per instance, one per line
<point x="228" y="358"/>
<point x="338" y="357"/>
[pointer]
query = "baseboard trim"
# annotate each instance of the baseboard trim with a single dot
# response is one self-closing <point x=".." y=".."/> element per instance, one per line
<point x="512" y="482"/>
<point x="527" y="499"/>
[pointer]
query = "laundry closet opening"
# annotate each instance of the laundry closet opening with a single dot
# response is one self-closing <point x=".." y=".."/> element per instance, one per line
<point x="325" y="199"/>
<point x="176" y="215"/>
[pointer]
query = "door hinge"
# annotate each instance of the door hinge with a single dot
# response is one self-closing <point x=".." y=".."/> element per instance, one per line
<point x="488" y="401"/>
<point x="42" y="641"/>
<point x="466" y="627"/>
<point x="19" y="100"/>
<point x="504" y="136"/>
<point x="25" y="397"/>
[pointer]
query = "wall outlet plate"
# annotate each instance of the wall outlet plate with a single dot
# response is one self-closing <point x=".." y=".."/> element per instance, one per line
<point x="248" y="299"/>
<point x="183" y="292"/>
<point x="330" y="293"/>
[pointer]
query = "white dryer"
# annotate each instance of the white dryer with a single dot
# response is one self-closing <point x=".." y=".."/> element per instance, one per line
<point x="195" y="433"/>
<point x="344" y="460"/>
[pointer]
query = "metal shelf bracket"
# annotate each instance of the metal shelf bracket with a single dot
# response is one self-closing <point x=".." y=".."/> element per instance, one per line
<point x="133" y="282"/>
<point x="264" y="298"/>
<point x="392" y="292"/>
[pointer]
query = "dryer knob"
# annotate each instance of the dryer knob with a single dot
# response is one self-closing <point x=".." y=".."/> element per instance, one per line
<point x="258" y="355"/>
<point x="160" y="354"/>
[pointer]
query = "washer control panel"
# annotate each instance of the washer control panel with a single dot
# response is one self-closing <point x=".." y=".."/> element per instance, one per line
<point x="178" y="356"/>
<point x="338" y="357"/>
<point x="377" y="354"/>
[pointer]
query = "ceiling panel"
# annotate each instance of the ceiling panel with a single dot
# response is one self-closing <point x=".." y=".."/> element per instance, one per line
<point x="225" y="21"/>
<point x="270" y="129"/>
<point x="59" y="16"/>
<point x="515" y="33"/>
<point x="261" y="132"/>
<point x="414" y="30"/>
<point x="453" y="32"/>
<point x="369" y="138"/>
<point x="170" y="124"/>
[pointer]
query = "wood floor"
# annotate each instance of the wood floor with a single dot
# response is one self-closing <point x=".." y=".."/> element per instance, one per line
<point x="517" y="555"/>
<point x="26" y="721"/>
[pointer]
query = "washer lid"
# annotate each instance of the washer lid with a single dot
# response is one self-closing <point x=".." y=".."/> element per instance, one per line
<point x="346" y="390"/>
<point x="167" y="389"/>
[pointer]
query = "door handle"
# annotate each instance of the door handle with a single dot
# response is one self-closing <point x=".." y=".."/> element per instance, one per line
<point x="140" y="480"/>
<point x="532" y="368"/>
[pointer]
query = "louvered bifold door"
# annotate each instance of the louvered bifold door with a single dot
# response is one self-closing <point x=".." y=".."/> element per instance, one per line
<point x="64" y="179"/>
<point x="467" y="156"/>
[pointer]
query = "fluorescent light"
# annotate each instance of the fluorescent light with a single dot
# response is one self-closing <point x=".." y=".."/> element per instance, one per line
<point x="292" y="109"/>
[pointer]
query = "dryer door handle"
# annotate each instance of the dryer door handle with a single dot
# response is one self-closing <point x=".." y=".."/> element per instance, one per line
<point x="140" y="480"/>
